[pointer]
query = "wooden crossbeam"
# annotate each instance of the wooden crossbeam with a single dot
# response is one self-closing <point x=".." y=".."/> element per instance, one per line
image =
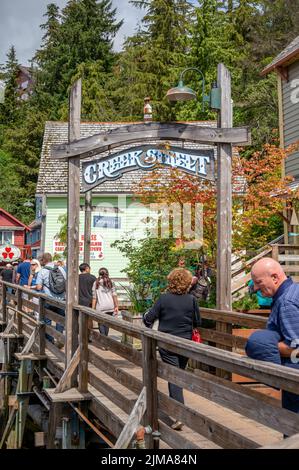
<point x="64" y="382"/>
<point x="147" y="132"/>
<point x="8" y="426"/>
<point x="30" y="341"/>
<point x="132" y="424"/>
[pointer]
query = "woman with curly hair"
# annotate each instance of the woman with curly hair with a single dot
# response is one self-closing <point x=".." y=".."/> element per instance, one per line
<point x="178" y="313"/>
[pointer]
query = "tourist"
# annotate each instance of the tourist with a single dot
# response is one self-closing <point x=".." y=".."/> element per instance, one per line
<point x="86" y="282"/>
<point x="35" y="269"/>
<point x="7" y="276"/>
<point x="279" y="341"/>
<point x="23" y="272"/>
<point x="104" y="298"/>
<point x="178" y="313"/>
<point x="45" y="285"/>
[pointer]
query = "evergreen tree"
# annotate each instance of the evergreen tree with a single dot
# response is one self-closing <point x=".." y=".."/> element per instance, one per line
<point x="152" y="58"/>
<point x="9" y="109"/>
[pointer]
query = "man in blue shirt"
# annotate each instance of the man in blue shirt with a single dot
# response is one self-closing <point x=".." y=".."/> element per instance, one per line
<point x="23" y="272"/>
<point x="279" y="342"/>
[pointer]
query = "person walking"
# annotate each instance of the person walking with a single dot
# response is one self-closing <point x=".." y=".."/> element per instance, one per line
<point x="104" y="298"/>
<point x="280" y="341"/>
<point x="51" y="281"/>
<point x="35" y="269"/>
<point x="178" y="314"/>
<point x="86" y="282"/>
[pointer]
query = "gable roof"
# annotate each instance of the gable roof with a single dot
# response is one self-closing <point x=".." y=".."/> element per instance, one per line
<point x="14" y="219"/>
<point x="285" y="57"/>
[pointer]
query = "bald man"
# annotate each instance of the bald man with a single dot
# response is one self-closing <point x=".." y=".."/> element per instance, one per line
<point x="278" y="343"/>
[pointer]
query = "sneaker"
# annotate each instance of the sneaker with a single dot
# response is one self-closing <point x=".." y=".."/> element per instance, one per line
<point x="177" y="425"/>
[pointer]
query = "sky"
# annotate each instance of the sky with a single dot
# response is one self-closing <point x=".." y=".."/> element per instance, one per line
<point x="20" y="20"/>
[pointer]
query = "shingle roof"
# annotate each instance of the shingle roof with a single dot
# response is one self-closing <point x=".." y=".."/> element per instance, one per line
<point x="52" y="177"/>
<point x="290" y="53"/>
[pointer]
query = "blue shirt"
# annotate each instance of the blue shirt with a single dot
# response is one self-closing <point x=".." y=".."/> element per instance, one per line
<point x="24" y="271"/>
<point x="284" y="317"/>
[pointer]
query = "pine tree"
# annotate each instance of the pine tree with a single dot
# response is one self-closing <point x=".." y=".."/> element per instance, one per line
<point x="152" y="58"/>
<point x="9" y="109"/>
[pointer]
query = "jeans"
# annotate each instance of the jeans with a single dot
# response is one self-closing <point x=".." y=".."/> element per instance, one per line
<point x="176" y="360"/>
<point x="263" y="345"/>
<point x="103" y="329"/>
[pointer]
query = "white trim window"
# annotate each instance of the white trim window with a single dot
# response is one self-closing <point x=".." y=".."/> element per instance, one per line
<point x="6" y="237"/>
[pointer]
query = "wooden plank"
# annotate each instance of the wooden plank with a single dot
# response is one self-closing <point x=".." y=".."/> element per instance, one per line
<point x="149" y="368"/>
<point x="290" y="269"/>
<point x="174" y="439"/>
<point x="73" y="221"/>
<point x="122" y="350"/>
<point x="224" y="339"/>
<point x="42" y="329"/>
<point x="30" y="356"/>
<point x="83" y="346"/>
<point x="30" y="341"/>
<point x="39" y="439"/>
<point x="249" y="403"/>
<point x="289" y="443"/>
<point x="64" y="382"/>
<point x="87" y="226"/>
<point x="55" y="333"/>
<point x="4" y="303"/>
<point x="235" y="318"/>
<point x="133" y="422"/>
<point x="224" y="207"/>
<point x="206" y="426"/>
<point x="134" y="133"/>
<point x="282" y="258"/>
<point x="268" y="373"/>
<point x="19" y="308"/>
<point x="54" y="317"/>
<point x="70" y="395"/>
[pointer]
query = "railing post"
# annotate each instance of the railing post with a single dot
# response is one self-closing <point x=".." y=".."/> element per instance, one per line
<point x="4" y="303"/>
<point x="42" y="328"/>
<point x="19" y="308"/>
<point x="83" y="344"/>
<point x="275" y="252"/>
<point x="149" y="367"/>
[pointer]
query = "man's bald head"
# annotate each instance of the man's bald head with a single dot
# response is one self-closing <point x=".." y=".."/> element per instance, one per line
<point x="267" y="275"/>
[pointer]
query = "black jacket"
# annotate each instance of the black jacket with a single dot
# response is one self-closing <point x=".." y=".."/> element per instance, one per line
<point x="177" y="314"/>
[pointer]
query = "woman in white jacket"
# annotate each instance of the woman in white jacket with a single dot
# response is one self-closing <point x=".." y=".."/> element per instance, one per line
<point x="104" y="298"/>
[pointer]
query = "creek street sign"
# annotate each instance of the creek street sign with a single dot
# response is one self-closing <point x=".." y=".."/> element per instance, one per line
<point x="198" y="162"/>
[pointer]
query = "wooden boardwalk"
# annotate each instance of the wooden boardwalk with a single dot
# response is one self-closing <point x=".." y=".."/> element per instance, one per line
<point x="106" y="377"/>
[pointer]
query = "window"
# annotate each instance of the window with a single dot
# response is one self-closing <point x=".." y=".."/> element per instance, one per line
<point x="6" y="237"/>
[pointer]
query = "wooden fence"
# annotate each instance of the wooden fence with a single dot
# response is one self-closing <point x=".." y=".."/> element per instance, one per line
<point x="93" y="373"/>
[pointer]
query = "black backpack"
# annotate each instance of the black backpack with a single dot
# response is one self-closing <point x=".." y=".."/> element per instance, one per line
<point x="57" y="283"/>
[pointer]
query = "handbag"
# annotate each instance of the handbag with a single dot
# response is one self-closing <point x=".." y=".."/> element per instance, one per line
<point x="196" y="336"/>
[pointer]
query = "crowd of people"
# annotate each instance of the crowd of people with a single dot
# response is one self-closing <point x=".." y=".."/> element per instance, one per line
<point x="177" y="308"/>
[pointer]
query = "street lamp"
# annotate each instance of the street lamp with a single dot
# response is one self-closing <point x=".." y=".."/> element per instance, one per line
<point x="184" y="93"/>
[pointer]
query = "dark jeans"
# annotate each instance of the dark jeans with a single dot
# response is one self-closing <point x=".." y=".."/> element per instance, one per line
<point x="263" y="345"/>
<point x="103" y="329"/>
<point x="58" y="327"/>
<point x="176" y="360"/>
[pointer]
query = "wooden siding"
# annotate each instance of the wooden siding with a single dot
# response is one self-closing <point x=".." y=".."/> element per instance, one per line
<point x="291" y="118"/>
<point x="131" y="221"/>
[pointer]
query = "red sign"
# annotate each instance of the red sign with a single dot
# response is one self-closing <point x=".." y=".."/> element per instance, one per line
<point x="96" y="246"/>
<point x="9" y="253"/>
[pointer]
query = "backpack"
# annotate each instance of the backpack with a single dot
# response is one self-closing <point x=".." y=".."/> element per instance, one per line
<point x="57" y="283"/>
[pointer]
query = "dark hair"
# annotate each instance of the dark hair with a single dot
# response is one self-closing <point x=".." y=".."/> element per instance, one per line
<point x="83" y="267"/>
<point x="104" y="276"/>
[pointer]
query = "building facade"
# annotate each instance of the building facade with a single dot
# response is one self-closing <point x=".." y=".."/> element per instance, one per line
<point x="12" y="234"/>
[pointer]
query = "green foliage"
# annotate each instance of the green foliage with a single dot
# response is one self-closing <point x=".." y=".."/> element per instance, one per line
<point x="150" y="261"/>
<point x="137" y="304"/>
<point x="248" y="302"/>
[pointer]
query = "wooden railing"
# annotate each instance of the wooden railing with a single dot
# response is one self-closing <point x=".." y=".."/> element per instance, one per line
<point x="148" y="371"/>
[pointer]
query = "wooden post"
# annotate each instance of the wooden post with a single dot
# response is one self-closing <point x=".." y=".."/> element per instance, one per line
<point x="73" y="222"/>
<point x="43" y="222"/>
<point x="224" y="207"/>
<point x="87" y="226"/>
<point x="275" y="252"/>
<point x="4" y="303"/>
<point x="149" y="367"/>
<point x="19" y="308"/>
<point x="42" y="328"/>
<point x="83" y="364"/>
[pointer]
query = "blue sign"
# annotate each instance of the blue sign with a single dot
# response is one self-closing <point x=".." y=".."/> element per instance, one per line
<point x="106" y="221"/>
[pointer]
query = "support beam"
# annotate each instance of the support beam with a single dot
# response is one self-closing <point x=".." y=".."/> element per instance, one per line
<point x="65" y="380"/>
<point x="132" y="424"/>
<point x="87" y="226"/>
<point x="73" y="224"/>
